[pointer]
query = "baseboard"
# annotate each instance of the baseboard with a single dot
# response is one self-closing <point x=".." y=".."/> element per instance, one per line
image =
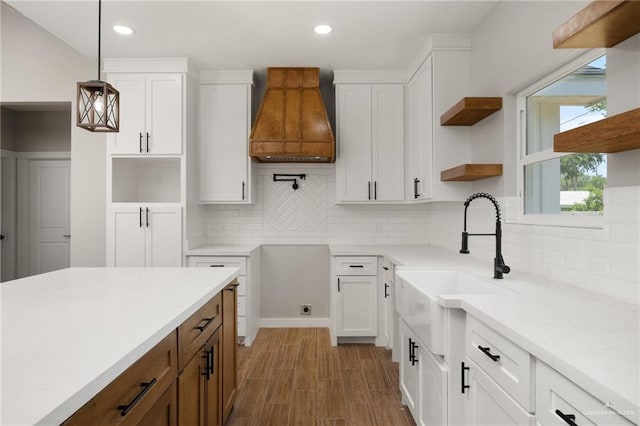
<point x="294" y="322"/>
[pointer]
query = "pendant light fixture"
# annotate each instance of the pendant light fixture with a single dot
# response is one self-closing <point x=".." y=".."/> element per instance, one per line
<point x="98" y="101"/>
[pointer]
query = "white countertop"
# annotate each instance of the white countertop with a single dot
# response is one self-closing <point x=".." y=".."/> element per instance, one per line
<point x="591" y="339"/>
<point x="69" y="333"/>
<point x="223" y="250"/>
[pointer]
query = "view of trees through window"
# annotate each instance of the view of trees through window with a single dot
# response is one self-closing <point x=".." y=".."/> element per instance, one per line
<point x="560" y="183"/>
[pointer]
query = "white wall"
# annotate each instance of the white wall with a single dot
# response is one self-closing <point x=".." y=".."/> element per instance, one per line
<point x="37" y="67"/>
<point x="511" y="50"/>
<point x="37" y="131"/>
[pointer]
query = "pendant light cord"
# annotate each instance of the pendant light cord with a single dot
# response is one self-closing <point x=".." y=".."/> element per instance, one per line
<point x="99" y="33"/>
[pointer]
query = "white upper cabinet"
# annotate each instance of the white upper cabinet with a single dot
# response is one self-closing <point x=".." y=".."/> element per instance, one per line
<point x="370" y="122"/>
<point x="224" y="112"/>
<point x="420" y="135"/>
<point x="151" y="114"/>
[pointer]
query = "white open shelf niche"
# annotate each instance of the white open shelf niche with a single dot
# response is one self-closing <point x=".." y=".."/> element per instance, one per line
<point x="146" y="180"/>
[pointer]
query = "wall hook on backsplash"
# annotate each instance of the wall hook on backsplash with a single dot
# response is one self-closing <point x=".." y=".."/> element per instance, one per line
<point x="284" y="177"/>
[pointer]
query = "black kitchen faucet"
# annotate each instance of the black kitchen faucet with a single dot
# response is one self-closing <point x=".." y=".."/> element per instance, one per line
<point x="499" y="267"/>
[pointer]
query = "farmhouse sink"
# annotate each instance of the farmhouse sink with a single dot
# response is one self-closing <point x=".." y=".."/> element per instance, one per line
<point x="417" y="300"/>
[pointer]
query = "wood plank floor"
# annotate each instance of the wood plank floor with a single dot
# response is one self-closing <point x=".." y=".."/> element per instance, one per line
<point x="293" y="376"/>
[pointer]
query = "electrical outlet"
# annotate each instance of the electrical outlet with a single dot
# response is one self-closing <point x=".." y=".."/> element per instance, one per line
<point x="305" y="309"/>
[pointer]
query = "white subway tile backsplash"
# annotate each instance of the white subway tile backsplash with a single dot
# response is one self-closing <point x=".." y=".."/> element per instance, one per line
<point x="604" y="260"/>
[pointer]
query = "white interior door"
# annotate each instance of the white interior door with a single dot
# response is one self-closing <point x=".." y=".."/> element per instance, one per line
<point x="49" y="202"/>
<point x="8" y="215"/>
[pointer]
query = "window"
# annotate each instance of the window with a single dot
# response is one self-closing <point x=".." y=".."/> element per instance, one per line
<point x="562" y="188"/>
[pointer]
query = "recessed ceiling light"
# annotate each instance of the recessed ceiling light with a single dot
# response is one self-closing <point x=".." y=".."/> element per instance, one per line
<point x="123" y="29"/>
<point x="323" y="29"/>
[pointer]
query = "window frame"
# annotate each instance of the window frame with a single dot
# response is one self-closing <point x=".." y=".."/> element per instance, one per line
<point x="522" y="159"/>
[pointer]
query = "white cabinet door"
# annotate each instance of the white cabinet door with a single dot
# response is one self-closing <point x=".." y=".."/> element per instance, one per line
<point x="409" y="370"/>
<point x="353" y="164"/>
<point x="224" y="117"/>
<point x="164" y="236"/>
<point x="388" y="142"/>
<point x="126" y="239"/>
<point x="433" y="389"/>
<point x="164" y="107"/>
<point x="420" y="137"/>
<point x="388" y="311"/>
<point x="139" y="235"/>
<point x="357" y="306"/>
<point x="131" y="138"/>
<point x="151" y="109"/>
<point x="490" y="405"/>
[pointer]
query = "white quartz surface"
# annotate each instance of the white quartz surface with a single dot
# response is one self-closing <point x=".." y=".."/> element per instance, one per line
<point x="67" y="334"/>
<point x="223" y="250"/>
<point x="591" y="339"/>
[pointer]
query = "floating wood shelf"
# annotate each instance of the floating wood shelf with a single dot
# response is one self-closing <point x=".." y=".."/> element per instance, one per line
<point x="620" y="132"/>
<point x="600" y="24"/>
<point x="469" y="111"/>
<point x="469" y="172"/>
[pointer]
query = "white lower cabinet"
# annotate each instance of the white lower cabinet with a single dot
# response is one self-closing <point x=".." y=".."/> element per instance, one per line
<point x="355" y="296"/>
<point x="388" y="306"/>
<point x="560" y="401"/>
<point x="423" y="380"/>
<point x="248" y="295"/>
<point x="148" y="235"/>
<point x="488" y="404"/>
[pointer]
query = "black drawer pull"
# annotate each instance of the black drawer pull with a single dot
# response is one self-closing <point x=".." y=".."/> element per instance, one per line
<point x="487" y="352"/>
<point x="216" y="266"/>
<point x="385" y="268"/>
<point x="207" y="321"/>
<point x="568" y="418"/>
<point x="462" y="370"/>
<point x="356" y="266"/>
<point x="146" y="387"/>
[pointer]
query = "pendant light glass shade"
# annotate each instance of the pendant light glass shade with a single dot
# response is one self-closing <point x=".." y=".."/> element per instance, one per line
<point x="98" y="102"/>
<point x="98" y="106"/>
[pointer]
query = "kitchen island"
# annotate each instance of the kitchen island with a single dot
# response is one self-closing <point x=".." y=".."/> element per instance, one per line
<point x="67" y="334"/>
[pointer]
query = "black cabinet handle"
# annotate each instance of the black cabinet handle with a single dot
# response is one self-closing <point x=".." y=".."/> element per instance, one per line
<point x="140" y="217"/>
<point x="242" y="191"/>
<point x="462" y="370"/>
<point x="146" y="387"/>
<point x="375" y="190"/>
<point x="385" y="268"/>
<point x="216" y="266"/>
<point x="416" y="181"/>
<point x="211" y="361"/>
<point x="207" y="322"/>
<point x="386" y="290"/>
<point x="147" y="217"/>
<point x="414" y="361"/>
<point x="369" y="186"/>
<point x="147" y="141"/>
<point x="141" y="142"/>
<point x="356" y="266"/>
<point x="487" y="352"/>
<point x="568" y="418"/>
<point x="338" y="284"/>
<point x="207" y="368"/>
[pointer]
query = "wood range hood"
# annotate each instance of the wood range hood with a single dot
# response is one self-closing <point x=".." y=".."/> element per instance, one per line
<point x="292" y="125"/>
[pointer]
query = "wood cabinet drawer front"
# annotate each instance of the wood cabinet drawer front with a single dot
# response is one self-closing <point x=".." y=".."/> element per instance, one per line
<point x="220" y="262"/>
<point x="352" y="265"/>
<point x="505" y="362"/>
<point x="195" y="331"/>
<point x="128" y="398"/>
<point x="558" y="397"/>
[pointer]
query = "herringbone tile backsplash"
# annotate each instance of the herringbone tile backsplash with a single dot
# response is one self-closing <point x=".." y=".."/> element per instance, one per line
<point x="309" y="215"/>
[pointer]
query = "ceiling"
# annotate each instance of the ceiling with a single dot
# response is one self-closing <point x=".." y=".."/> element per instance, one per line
<point x="238" y="34"/>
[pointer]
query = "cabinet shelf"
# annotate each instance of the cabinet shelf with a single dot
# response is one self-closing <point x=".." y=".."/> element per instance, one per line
<point x="620" y="132"/>
<point x="600" y="24"/>
<point x="470" y="172"/>
<point x="469" y="111"/>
